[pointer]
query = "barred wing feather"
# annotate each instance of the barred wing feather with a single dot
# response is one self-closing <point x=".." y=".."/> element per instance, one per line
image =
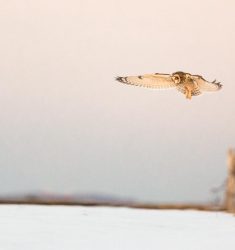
<point x="156" y="81"/>
<point x="205" y="85"/>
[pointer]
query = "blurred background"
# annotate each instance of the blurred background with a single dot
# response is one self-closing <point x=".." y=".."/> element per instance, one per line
<point x="68" y="128"/>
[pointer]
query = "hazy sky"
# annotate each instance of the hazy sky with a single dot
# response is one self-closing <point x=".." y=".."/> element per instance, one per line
<point x="67" y="127"/>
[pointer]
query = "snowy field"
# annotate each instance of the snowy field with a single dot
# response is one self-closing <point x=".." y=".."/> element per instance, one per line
<point x="82" y="228"/>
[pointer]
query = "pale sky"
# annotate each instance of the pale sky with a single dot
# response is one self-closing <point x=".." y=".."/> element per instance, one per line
<point x="68" y="127"/>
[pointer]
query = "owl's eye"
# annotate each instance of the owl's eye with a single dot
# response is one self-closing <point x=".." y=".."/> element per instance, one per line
<point x="176" y="79"/>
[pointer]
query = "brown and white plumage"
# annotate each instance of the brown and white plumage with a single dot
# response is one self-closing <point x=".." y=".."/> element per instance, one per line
<point x="149" y="81"/>
<point x="190" y="85"/>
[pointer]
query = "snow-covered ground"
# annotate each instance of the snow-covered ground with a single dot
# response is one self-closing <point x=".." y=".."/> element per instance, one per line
<point x="82" y="228"/>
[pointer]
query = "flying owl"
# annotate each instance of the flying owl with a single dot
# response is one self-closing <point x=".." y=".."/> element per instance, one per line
<point x="189" y="85"/>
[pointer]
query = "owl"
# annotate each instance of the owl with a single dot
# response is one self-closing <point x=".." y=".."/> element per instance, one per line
<point x="189" y="85"/>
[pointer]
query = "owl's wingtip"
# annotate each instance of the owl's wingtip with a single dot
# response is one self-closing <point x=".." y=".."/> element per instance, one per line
<point x="218" y="84"/>
<point x="118" y="78"/>
<point x="121" y="79"/>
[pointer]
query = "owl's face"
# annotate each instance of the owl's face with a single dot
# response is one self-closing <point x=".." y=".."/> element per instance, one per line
<point x="180" y="77"/>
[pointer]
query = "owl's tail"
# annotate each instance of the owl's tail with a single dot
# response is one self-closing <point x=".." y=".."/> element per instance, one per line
<point x="188" y="93"/>
<point x="189" y="96"/>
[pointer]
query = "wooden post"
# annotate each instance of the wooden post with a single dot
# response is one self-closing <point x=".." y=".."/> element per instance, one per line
<point x="230" y="189"/>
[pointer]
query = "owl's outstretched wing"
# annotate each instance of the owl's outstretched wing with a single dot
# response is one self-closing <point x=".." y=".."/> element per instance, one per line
<point x="156" y="81"/>
<point x="205" y="85"/>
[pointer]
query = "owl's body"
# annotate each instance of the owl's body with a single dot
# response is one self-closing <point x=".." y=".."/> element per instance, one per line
<point x="189" y="85"/>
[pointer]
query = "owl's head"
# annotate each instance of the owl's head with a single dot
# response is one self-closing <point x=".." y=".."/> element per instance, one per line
<point x="180" y="77"/>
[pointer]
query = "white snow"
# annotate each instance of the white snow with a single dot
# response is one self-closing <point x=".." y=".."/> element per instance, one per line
<point x="82" y="228"/>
